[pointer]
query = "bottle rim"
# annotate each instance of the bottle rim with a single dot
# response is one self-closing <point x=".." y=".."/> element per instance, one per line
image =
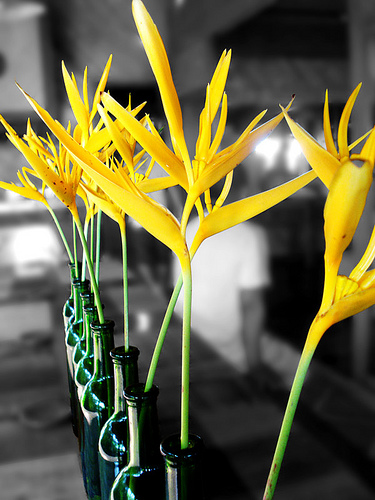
<point x="171" y="449"/>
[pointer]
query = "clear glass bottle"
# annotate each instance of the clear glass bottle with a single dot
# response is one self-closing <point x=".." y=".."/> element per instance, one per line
<point x="97" y="405"/>
<point x="143" y="477"/>
<point x="114" y="437"/>
<point x="183" y="468"/>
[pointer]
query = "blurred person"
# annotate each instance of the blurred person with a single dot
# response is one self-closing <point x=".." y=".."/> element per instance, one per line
<point x="230" y="276"/>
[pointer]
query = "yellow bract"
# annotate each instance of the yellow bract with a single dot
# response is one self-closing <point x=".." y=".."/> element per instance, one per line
<point x="349" y="178"/>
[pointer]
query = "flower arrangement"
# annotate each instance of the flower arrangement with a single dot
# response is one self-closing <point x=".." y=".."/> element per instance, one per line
<point x="107" y="160"/>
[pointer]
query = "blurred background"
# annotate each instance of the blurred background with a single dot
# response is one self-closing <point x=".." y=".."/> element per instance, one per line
<point x="280" y="48"/>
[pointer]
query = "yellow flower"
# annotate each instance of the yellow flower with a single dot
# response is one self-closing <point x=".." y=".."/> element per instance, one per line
<point x="28" y="188"/>
<point x="209" y="165"/>
<point x="51" y="167"/>
<point x="155" y="218"/>
<point x="348" y="177"/>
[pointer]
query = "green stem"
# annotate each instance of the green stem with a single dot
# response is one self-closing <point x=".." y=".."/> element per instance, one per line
<point x="75" y="247"/>
<point x="185" y="369"/>
<point x="98" y="241"/>
<point x="94" y="283"/>
<point x="162" y="334"/>
<point x="286" y="425"/>
<point x="125" y="286"/>
<point x="86" y="255"/>
<point x="59" y="228"/>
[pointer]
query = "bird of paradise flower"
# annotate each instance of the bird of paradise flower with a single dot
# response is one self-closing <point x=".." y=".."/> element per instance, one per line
<point x="196" y="176"/>
<point x="348" y="176"/>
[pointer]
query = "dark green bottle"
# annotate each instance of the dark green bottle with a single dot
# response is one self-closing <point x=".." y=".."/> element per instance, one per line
<point x="75" y="327"/>
<point x="143" y="477"/>
<point x="72" y="337"/>
<point x="87" y="299"/>
<point x="68" y="308"/>
<point x="183" y="468"/>
<point x="85" y="367"/>
<point x="97" y="405"/>
<point x="114" y="437"/>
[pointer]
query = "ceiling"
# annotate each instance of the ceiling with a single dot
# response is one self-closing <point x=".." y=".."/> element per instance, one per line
<point x="280" y="48"/>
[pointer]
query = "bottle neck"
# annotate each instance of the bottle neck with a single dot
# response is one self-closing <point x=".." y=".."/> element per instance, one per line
<point x="183" y="468"/>
<point x="79" y="288"/>
<point x="103" y="344"/>
<point x="144" y="437"/>
<point x="125" y="367"/>
<point x="90" y="314"/>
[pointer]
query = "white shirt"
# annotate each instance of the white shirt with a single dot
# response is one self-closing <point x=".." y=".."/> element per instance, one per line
<point x="225" y="264"/>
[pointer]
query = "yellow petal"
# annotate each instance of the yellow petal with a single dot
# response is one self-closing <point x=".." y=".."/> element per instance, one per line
<point x="342" y="134"/>
<point x="342" y="212"/>
<point x="205" y="123"/>
<point x="121" y="144"/>
<point x="158" y="59"/>
<point x="152" y="144"/>
<point x="100" y="88"/>
<point x="53" y="181"/>
<point x="26" y="192"/>
<point x="220" y="129"/>
<point x="239" y="211"/>
<point x="323" y="162"/>
<point x="156" y="184"/>
<point x="330" y="143"/>
<point x="218" y="82"/>
<point x="224" y="163"/>
<point x="366" y="260"/>
<point x="78" y="107"/>
<point x="157" y="220"/>
<point x="108" y="207"/>
<point x="368" y="150"/>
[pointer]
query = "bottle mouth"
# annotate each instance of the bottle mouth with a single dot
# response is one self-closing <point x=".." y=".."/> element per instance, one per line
<point x="118" y="353"/>
<point x="136" y="393"/>
<point x="107" y="325"/>
<point x="171" y="449"/>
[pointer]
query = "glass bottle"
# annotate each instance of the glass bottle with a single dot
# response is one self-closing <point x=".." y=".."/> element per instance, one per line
<point x="114" y="437"/>
<point x="73" y="334"/>
<point x="97" y="405"/>
<point x="75" y="327"/>
<point x="143" y="477"/>
<point x="85" y="367"/>
<point x="183" y="468"/>
<point x="87" y="299"/>
<point x="68" y="308"/>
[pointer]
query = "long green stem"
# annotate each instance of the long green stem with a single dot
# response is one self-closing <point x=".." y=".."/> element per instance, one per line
<point x="185" y="368"/>
<point x="286" y="425"/>
<point x="98" y="242"/>
<point x="86" y="255"/>
<point x="125" y="286"/>
<point x="162" y="334"/>
<point x="59" y="228"/>
<point x="75" y="247"/>
<point x="94" y="283"/>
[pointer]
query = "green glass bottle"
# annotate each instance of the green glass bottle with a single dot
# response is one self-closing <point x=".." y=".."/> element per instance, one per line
<point x="97" y="405"/>
<point x="143" y="477"/>
<point x="85" y="367"/>
<point x="73" y="335"/>
<point x="183" y="468"/>
<point x="114" y="437"/>
<point x="87" y="299"/>
<point x="75" y="327"/>
<point x="68" y="308"/>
